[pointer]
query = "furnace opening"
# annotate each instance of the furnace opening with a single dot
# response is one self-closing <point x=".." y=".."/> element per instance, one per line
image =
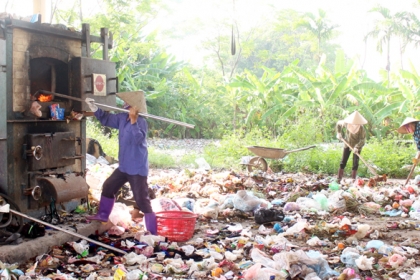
<point x="49" y="74"/>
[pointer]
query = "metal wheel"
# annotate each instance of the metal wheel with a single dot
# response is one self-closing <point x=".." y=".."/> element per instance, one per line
<point x="257" y="163"/>
<point x="8" y="220"/>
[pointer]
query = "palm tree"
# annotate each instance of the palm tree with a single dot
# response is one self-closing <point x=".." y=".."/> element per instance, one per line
<point x="410" y="29"/>
<point x="319" y="26"/>
<point x="385" y="28"/>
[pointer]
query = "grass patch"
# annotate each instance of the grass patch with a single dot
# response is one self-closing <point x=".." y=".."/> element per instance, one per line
<point x="388" y="155"/>
<point x="158" y="159"/>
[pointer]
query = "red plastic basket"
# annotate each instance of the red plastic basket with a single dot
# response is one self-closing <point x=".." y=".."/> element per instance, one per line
<point x="176" y="225"/>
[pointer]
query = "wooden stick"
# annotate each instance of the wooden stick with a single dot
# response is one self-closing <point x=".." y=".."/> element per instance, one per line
<point x="411" y="172"/>
<point x="367" y="165"/>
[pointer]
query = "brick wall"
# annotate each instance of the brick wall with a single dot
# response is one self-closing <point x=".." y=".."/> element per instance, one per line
<point x="26" y="46"/>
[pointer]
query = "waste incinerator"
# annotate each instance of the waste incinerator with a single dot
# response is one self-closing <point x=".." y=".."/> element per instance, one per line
<point x="41" y="152"/>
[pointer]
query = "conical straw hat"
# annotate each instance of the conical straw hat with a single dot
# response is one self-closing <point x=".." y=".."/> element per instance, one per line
<point x="355" y="118"/>
<point x="134" y="99"/>
<point x="408" y="120"/>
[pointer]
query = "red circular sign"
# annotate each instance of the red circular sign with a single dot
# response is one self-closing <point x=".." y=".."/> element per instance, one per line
<point x="99" y="83"/>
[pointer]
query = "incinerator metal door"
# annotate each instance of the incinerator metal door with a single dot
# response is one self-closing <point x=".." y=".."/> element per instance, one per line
<point x="51" y="150"/>
<point x="95" y="79"/>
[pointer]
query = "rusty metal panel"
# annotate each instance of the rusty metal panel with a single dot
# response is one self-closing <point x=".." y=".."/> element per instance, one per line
<point x="3" y="117"/>
<point x="3" y="89"/>
<point x="81" y="71"/>
<point x="52" y="150"/>
<point x="62" y="189"/>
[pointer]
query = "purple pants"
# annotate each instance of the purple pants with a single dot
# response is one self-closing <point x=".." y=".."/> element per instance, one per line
<point x="138" y="184"/>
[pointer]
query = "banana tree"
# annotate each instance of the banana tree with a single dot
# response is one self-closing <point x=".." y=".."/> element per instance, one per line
<point x="264" y="98"/>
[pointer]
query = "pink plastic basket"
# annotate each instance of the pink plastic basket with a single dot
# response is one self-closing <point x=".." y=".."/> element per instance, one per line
<point x="176" y="225"/>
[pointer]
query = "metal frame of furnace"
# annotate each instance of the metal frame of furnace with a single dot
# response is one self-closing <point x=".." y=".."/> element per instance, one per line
<point x="42" y="160"/>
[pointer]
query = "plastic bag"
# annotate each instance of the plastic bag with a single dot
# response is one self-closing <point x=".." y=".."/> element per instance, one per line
<point x="246" y="201"/>
<point x="396" y="260"/>
<point x="185" y="203"/>
<point x="260" y="257"/>
<point x="298" y="227"/>
<point x="322" y="200"/>
<point x="321" y="268"/>
<point x="164" y="204"/>
<point x="116" y="230"/>
<point x="334" y="186"/>
<point x="263" y="215"/>
<point x="80" y="247"/>
<point x="291" y="206"/>
<point x="251" y="273"/>
<point x="120" y="215"/>
<point x="364" y="263"/>
<point x="349" y="258"/>
<point x="134" y="274"/>
<point x="376" y="244"/>
<point x="362" y="230"/>
<point x="385" y="250"/>
<point x="306" y="203"/>
<point x="132" y="258"/>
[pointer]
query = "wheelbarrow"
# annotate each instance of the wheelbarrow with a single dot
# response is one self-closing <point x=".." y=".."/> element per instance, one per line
<point x="259" y="162"/>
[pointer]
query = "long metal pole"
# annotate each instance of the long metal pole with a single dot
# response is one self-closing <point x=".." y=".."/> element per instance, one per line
<point x="69" y="232"/>
<point x="117" y="108"/>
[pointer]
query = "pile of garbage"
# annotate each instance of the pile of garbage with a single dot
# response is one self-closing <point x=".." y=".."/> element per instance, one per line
<point x="251" y="226"/>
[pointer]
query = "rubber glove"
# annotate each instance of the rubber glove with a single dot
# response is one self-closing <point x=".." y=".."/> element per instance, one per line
<point x="356" y="150"/>
<point x="133" y="114"/>
<point x="91" y="104"/>
<point x="339" y="137"/>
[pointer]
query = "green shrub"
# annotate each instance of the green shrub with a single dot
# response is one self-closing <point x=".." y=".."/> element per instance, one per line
<point x="109" y="143"/>
<point x="388" y="155"/>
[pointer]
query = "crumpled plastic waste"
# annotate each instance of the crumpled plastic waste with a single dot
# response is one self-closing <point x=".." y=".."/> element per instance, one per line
<point x="364" y="263"/>
<point x="291" y="206"/>
<point x="246" y="201"/>
<point x="164" y="204"/>
<point x="263" y="215"/>
<point x="349" y="256"/>
<point x="132" y="258"/>
<point x="116" y="230"/>
<point x="80" y="247"/>
<point x="396" y="260"/>
<point x="120" y="215"/>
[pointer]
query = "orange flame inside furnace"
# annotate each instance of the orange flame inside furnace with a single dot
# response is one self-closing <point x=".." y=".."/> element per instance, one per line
<point x="45" y="97"/>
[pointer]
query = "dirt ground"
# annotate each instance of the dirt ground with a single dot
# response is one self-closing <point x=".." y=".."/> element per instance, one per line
<point x="229" y="229"/>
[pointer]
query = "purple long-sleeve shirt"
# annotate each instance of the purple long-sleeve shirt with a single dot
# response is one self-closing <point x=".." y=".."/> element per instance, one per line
<point x="132" y="155"/>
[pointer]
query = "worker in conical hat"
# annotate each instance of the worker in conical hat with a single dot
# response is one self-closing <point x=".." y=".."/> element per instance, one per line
<point x="412" y="126"/>
<point x="132" y="155"/>
<point x="355" y="135"/>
